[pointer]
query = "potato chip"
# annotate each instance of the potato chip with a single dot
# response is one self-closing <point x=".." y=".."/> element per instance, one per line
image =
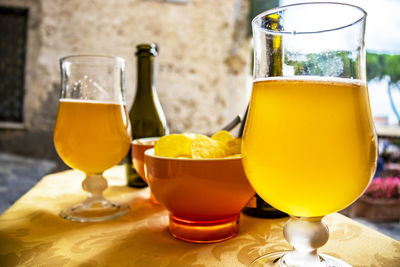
<point x="174" y="145"/>
<point x="234" y="156"/>
<point x="223" y="136"/>
<point x="205" y="147"/>
<point x="234" y="145"/>
<point x="198" y="146"/>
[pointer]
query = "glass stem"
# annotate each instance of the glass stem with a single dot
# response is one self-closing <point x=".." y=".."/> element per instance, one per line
<point x="94" y="184"/>
<point x="306" y="235"/>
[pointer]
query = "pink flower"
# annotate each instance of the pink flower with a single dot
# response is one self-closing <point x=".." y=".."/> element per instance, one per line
<point x="388" y="187"/>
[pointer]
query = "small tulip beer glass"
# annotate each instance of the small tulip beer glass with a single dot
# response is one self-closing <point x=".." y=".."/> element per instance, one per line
<point x="92" y="131"/>
<point x="309" y="146"/>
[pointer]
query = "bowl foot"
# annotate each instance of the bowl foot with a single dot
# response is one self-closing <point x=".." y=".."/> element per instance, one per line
<point x="203" y="231"/>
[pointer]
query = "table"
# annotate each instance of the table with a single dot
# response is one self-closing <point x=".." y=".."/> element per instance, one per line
<point x="32" y="233"/>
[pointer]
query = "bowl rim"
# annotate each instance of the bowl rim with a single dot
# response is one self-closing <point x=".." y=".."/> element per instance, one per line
<point x="138" y="140"/>
<point x="150" y="153"/>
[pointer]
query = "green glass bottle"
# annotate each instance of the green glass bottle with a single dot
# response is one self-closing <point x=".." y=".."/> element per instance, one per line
<point x="257" y="207"/>
<point x="146" y="115"/>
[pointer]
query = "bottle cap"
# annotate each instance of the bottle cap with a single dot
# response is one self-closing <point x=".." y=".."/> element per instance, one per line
<point x="149" y="48"/>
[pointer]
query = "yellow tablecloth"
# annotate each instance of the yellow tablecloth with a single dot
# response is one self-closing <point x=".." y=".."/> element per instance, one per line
<point x="33" y="234"/>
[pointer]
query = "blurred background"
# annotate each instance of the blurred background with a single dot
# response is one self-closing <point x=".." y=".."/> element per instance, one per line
<point x="203" y="71"/>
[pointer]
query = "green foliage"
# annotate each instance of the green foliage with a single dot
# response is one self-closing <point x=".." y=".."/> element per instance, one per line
<point x="331" y="63"/>
<point x="393" y="67"/>
<point x="378" y="65"/>
<point x="381" y="65"/>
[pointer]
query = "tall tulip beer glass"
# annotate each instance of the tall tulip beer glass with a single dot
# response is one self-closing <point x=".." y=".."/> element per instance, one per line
<point x="92" y="131"/>
<point x="309" y="146"/>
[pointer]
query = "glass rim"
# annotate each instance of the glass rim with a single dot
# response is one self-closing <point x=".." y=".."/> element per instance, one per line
<point x="117" y="59"/>
<point x="254" y="22"/>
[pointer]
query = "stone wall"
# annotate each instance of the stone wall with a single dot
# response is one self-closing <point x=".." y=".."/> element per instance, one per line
<point x="201" y="74"/>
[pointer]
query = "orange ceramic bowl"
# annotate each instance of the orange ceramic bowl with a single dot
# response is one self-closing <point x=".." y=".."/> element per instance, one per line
<point x="139" y="146"/>
<point x="200" y="194"/>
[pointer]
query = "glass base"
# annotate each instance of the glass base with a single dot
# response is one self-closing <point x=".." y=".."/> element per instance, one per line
<point x="203" y="231"/>
<point x="275" y="260"/>
<point x="95" y="212"/>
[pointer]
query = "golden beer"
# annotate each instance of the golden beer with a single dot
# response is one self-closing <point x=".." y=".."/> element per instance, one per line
<point x="91" y="136"/>
<point x="309" y="147"/>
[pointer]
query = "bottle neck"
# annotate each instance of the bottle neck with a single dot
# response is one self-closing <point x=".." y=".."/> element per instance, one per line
<point x="145" y="74"/>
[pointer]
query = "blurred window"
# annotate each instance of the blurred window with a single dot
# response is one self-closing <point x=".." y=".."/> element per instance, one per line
<point x="13" y="29"/>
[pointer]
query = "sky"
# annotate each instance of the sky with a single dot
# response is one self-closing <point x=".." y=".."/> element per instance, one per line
<point x="383" y="23"/>
<point x="382" y="36"/>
